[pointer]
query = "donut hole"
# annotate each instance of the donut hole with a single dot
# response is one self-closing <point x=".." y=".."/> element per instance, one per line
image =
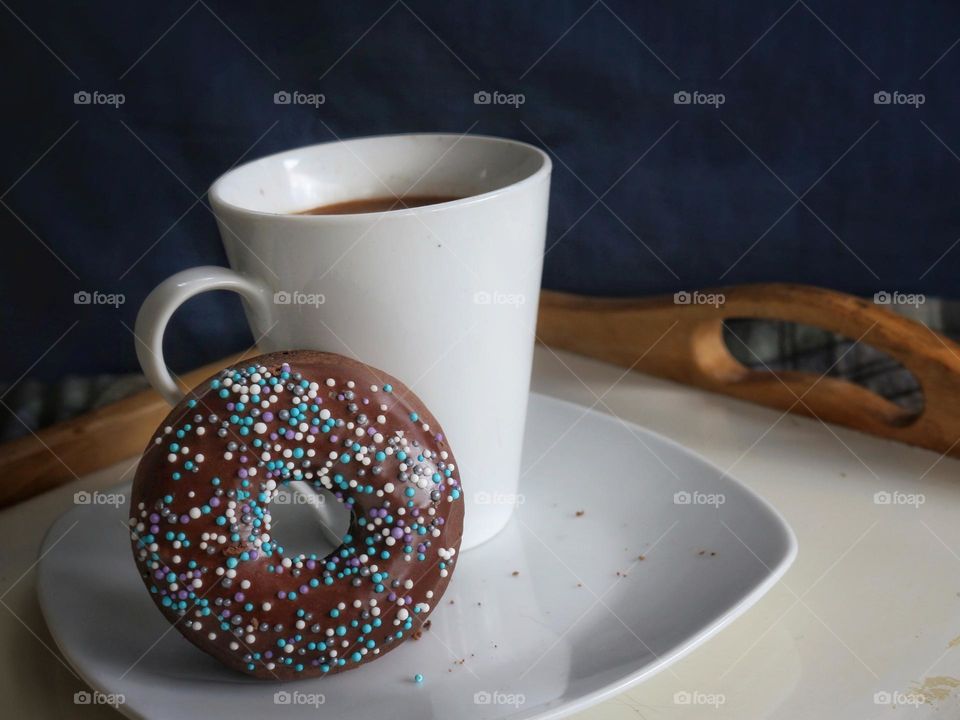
<point x="308" y="522"/>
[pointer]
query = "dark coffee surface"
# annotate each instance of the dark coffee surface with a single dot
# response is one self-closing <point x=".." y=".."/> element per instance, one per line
<point x="378" y="204"/>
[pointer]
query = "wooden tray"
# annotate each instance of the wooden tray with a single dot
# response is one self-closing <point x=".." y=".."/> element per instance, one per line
<point x="658" y="336"/>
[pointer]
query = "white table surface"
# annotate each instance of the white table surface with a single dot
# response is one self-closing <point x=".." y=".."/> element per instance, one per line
<point x="872" y="604"/>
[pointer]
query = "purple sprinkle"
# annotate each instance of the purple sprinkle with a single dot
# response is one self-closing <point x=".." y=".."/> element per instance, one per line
<point x="214" y="501"/>
<point x="267" y="416"/>
<point x="184" y="519"/>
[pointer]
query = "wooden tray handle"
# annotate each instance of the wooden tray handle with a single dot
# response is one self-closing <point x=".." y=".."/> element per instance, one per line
<point x="684" y="342"/>
<point x="69" y="450"/>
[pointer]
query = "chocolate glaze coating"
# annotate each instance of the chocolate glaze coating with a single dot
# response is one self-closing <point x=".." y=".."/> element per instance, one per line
<point x="200" y="514"/>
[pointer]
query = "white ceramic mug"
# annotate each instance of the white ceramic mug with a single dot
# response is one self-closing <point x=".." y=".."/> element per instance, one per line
<point x="443" y="296"/>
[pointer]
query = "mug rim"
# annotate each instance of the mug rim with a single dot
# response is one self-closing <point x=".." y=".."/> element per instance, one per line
<point x="543" y="170"/>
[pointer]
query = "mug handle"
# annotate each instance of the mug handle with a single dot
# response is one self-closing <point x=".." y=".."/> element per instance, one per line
<point x="164" y="300"/>
<point x="152" y="320"/>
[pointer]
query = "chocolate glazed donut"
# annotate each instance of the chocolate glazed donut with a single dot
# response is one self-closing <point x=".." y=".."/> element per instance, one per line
<point x="200" y="515"/>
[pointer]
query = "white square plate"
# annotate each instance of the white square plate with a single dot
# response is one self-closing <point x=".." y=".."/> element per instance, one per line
<point x="554" y="614"/>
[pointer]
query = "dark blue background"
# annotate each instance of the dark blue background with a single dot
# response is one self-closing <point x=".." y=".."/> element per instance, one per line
<point x="199" y="81"/>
